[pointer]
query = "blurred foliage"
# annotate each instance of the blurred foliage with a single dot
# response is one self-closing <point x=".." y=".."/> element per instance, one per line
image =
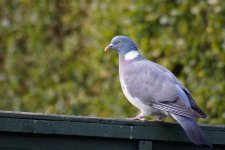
<point x="52" y="59"/>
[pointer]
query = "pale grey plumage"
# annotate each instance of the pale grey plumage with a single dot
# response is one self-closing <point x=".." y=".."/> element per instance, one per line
<point x="156" y="86"/>
<point x="155" y="90"/>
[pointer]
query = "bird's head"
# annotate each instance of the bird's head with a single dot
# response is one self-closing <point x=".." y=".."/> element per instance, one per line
<point x="122" y="45"/>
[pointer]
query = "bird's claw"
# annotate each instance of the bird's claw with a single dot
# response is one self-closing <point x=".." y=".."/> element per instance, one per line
<point x="138" y="117"/>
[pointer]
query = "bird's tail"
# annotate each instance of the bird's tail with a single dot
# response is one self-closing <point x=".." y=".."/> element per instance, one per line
<point x="193" y="131"/>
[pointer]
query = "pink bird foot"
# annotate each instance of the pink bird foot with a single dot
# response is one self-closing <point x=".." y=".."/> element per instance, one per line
<point x="138" y="117"/>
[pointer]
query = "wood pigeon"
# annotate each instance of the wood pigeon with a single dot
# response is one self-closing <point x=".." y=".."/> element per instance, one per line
<point x="154" y="90"/>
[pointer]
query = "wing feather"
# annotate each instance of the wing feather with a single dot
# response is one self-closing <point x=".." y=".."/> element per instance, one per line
<point x="194" y="105"/>
<point x="177" y="107"/>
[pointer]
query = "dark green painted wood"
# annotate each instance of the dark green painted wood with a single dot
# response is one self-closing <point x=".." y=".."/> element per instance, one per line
<point x="145" y="145"/>
<point x="59" y="131"/>
<point x="162" y="145"/>
<point x="53" y="142"/>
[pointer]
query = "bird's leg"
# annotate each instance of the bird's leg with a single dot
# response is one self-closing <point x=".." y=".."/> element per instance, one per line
<point x="138" y="117"/>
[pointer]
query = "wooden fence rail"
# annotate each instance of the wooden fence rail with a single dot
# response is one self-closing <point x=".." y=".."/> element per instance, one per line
<point x="31" y="131"/>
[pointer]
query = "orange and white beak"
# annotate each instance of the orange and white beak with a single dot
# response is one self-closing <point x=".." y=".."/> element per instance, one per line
<point x="109" y="47"/>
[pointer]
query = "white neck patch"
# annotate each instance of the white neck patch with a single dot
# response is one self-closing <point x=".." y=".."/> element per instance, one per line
<point x="131" y="55"/>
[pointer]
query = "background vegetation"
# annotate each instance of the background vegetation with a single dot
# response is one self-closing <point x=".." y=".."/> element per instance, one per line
<point x="52" y="59"/>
